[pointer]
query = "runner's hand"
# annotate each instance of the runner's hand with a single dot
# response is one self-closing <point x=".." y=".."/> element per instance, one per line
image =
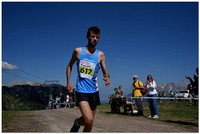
<point x="107" y="81"/>
<point x="69" y="88"/>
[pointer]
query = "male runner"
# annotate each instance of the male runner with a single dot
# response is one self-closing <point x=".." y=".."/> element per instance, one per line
<point x="89" y="60"/>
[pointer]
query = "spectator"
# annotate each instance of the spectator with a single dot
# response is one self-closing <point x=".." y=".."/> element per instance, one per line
<point x="117" y="95"/>
<point x="175" y="96"/>
<point x="73" y="97"/>
<point x="54" y="104"/>
<point x="112" y="95"/>
<point x="121" y="91"/>
<point x="152" y="92"/>
<point x="171" y="94"/>
<point x="164" y="94"/>
<point x="73" y="94"/>
<point x="137" y="85"/>
<point x="191" y="93"/>
<point x="67" y="101"/>
<point x="160" y="99"/>
<point x="62" y="100"/>
<point x="57" y="102"/>
<point x="57" y="99"/>
<point x="195" y="83"/>
<point x="51" y="103"/>
<point x="196" y="78"/>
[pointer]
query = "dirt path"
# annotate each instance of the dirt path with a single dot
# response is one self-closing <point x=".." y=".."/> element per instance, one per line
<point x="61" y="120"/>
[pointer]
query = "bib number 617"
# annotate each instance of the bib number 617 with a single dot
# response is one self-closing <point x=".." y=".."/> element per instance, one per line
<point x="85" y="70"/>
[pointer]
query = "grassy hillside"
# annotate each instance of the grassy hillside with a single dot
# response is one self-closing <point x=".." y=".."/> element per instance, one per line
<point x="12" y="102"/>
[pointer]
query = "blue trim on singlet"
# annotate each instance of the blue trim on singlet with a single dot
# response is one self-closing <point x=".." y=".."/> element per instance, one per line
<point x="84" y="85"/>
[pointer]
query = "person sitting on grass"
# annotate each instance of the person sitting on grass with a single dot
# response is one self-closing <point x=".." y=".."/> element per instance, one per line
<point x="117" y="95"/>
<point x="112" y="95"/>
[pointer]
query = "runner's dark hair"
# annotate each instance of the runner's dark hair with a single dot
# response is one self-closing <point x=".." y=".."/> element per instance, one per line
<point x="94" y="29"/>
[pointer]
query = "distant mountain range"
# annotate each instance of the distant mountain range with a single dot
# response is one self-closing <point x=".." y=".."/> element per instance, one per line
<point x="31" y="83"/>
<point x="182" y="85"/>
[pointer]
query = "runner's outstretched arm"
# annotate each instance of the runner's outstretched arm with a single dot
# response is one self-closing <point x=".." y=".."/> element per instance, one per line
<point x="69" y="70"/>
<point x="104" y="69"/>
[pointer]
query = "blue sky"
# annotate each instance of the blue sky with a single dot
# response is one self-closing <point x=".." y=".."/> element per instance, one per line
<point x="140" y="38"/>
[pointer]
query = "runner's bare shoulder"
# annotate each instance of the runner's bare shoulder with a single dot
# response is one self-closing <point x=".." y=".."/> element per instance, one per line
<point x="101" y="56"/>
<point x="77" y="52"/>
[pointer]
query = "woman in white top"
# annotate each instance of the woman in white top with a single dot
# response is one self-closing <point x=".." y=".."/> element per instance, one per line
<point x="152" y="92"/>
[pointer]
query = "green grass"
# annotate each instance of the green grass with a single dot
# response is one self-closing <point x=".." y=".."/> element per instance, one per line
<point x="7" y="116"/>
<point x="14" y="103"/>
<point x="18" y="121"/>
<point x="178" y="112"/>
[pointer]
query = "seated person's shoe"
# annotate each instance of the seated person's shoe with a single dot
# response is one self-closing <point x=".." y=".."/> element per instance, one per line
<point x="135" y="111"/>
<point x="149" y="116"/>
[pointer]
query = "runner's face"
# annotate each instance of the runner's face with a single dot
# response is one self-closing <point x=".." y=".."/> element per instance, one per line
<point x="93" y="39"/>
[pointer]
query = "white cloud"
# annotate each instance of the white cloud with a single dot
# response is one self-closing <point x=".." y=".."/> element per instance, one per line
<point x="7" y="66"/>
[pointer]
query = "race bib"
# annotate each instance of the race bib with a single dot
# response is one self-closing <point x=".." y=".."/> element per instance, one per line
<point x="86" y="69"/>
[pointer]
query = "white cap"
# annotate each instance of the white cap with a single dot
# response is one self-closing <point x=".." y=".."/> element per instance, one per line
<point x="134" y="76"/>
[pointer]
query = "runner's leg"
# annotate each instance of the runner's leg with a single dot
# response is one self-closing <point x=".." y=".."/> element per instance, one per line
<point x="88" y="116"/>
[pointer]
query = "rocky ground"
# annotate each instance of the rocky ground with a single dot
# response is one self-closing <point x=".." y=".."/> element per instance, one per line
<point x="61" y="120"/>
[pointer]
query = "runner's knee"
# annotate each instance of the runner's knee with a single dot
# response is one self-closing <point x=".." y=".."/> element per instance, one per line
<point x="88" y="121"/>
